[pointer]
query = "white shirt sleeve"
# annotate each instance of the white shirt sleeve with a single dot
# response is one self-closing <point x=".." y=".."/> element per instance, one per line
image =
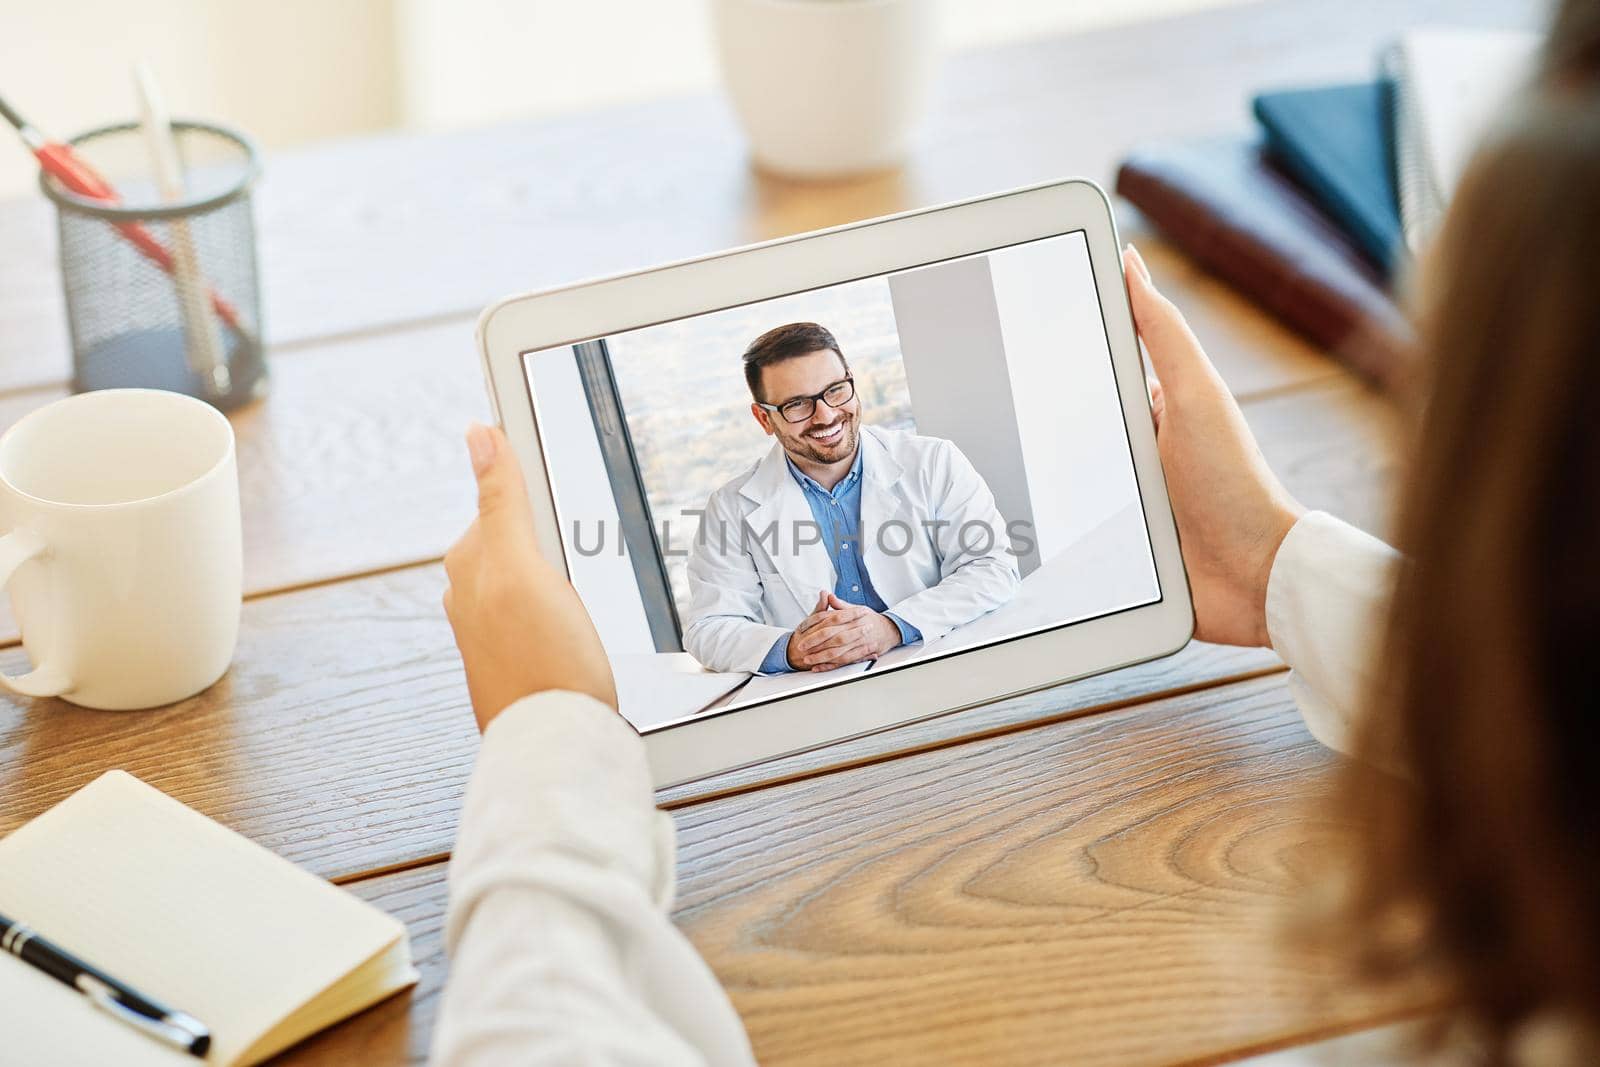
<point x="1327" y="603"/>
<point x="561" y="947"/>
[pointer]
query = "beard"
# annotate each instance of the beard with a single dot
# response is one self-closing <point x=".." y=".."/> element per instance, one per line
<point x="808" y="447"/>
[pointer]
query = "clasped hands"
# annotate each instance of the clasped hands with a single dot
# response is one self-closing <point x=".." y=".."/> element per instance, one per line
<point x="837" y="633"/>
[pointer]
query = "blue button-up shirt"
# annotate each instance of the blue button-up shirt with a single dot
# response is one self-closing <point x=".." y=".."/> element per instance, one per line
<point x="838" y="516"/>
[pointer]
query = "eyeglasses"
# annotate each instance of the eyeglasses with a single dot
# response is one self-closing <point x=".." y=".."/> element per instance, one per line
<point x="801" y="408"/>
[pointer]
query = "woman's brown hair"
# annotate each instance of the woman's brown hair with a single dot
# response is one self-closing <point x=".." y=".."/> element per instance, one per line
<point x="1481" y="867"/>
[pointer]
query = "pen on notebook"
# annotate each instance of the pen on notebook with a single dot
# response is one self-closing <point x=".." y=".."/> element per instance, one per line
<point x="109" y="995"/>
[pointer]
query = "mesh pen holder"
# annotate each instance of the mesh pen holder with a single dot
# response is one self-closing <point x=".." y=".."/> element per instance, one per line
<point x="164" y="294"/>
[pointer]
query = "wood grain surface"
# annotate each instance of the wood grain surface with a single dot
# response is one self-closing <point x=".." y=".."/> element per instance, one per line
<point x="1118" y="890"/>
<point x="356" y="460"/>
<point x="1091" y="874"/>
<point x="341" y="737"/>
<point x="1106" y="890"/>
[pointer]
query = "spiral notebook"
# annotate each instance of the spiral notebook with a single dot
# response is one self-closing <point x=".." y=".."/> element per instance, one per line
<point x="1448" y="85"/>
<point x="191" y="914"/>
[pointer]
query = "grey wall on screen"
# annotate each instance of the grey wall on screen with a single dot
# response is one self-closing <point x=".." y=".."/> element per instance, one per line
<point x="955" y="362"/>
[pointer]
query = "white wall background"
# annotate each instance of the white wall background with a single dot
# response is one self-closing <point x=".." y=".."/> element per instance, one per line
<point x="1005" y="355"/>
<point x="1074" y="444"/>
<point x="955" y="358"/>
<point x="286" y="71"/>
<point x="294" y="71"/>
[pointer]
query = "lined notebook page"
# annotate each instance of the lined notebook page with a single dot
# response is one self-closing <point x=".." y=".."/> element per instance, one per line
<point x="184" y="910"/>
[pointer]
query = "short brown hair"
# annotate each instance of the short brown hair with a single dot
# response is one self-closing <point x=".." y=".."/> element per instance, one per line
<point x="786" y="342"/>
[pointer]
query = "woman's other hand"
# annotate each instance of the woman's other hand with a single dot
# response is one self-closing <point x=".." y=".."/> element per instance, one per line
<point x="1232" y="511"/>
<point x="518" y="622"/>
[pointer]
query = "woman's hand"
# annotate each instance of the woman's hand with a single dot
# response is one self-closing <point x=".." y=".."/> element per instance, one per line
<point x="1232" y="512"/>
<point x="519" y="624"/>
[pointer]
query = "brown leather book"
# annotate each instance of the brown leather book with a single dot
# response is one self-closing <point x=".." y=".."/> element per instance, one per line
<point x="1226" y="204"/>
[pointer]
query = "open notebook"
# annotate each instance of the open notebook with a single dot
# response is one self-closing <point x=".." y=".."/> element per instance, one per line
<point x="190" y="913"/>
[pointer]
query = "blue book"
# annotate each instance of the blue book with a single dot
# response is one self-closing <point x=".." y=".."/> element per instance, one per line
<point x="1336" y="142"/>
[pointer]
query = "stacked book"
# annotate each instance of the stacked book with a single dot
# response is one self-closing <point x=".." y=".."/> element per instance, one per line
<point x="1320" y="214"/>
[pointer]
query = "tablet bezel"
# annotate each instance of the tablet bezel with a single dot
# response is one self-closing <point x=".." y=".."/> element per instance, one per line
<point x="697" y="747"/>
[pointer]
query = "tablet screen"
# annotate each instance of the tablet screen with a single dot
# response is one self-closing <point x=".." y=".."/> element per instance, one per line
<point x="797" y="492"/>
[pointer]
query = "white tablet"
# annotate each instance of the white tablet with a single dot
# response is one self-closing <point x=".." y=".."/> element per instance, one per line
<point x="826" y="485"/>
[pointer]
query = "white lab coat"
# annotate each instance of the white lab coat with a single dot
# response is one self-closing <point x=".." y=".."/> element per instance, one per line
<point x="757" y="567"/>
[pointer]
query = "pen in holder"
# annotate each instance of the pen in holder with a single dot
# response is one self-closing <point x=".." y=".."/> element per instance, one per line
<point x="164" y="293"/>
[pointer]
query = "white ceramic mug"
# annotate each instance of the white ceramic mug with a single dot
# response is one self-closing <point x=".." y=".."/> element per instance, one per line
<point x="122" y="547"/>
<point x="827" y="88"/>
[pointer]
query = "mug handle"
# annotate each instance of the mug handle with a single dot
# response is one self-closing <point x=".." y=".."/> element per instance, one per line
<point x="47" y="680"/>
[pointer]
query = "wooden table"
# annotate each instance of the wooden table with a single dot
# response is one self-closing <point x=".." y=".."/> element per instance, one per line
<point x="1092" y="874"/>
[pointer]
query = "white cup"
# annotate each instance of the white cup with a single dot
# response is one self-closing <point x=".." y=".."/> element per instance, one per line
<point x="122" y="551"/>
<point x="827" y="88"/>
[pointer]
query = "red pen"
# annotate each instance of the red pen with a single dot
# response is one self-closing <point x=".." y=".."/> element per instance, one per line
<point x="67" y="167"/>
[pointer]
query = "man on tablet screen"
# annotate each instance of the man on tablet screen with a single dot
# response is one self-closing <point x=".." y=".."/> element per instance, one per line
<point x="843" y="541"/>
